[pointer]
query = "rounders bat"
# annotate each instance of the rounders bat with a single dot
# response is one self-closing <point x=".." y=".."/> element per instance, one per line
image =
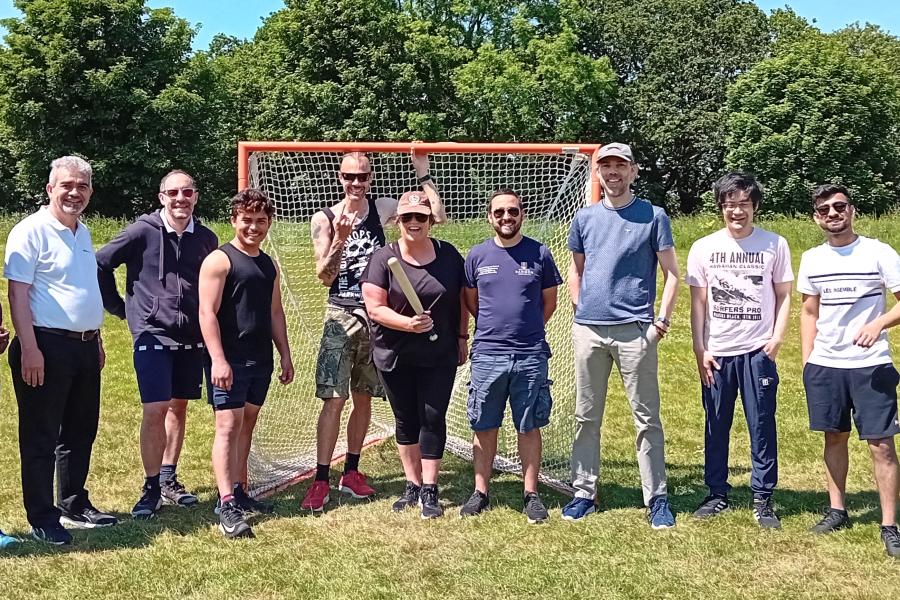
<point x="408" y="291"/>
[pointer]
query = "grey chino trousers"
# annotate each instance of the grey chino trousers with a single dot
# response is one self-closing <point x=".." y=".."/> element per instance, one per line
<point x="633" y="349"/>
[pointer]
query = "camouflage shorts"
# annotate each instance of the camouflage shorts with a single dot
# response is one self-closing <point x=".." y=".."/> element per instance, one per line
<point x="345" y="356"/>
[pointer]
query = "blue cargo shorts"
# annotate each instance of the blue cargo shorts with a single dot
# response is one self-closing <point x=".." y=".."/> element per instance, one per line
<point x="522" y="378"/>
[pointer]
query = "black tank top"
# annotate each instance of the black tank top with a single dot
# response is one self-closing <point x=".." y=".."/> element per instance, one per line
<point x="363" y="241"/>
<point x="245" y="314"/>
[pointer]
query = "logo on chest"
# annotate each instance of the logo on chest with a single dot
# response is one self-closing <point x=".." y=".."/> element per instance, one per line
<point x="525" y="270"/>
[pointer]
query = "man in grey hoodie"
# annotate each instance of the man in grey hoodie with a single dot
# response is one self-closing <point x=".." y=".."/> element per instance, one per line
<point x="162" y="253"/>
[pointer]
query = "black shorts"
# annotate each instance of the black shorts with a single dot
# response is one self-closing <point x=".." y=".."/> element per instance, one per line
<point x="869" y="393"/>
<point x="165" y="372"/>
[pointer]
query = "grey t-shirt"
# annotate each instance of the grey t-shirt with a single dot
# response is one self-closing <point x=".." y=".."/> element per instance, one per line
<point x="620" y="245"/>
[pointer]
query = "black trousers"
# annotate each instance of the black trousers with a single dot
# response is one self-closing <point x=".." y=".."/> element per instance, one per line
<point x="57" y="424"/>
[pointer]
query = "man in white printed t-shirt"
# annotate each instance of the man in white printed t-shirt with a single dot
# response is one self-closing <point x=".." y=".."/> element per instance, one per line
<point x="847" y="361"/>
<point x="740" y="278"/>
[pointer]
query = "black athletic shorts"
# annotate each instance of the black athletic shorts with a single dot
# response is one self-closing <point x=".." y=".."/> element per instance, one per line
<point x="868" y="393"/>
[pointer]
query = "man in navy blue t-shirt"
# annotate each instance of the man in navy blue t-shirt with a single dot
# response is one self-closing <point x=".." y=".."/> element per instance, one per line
<point x="511" y="292"/>
<point x="616" y="246"/>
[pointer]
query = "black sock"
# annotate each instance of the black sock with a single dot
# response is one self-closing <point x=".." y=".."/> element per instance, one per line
<point x="840" y="511"/>
<point x="152" y="482"/>
<point x="322" y="472"/>
<point x="351" y="463"/>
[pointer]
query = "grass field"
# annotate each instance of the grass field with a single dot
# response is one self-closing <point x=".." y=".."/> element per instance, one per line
<point x="362" y="550"/>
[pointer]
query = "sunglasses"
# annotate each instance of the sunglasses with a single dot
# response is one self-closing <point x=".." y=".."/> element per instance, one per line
<point x="419" y="217"/>
<point x="360" y="177"/>
<point x="839" y="207"/>
<point x="511" y="211"/>
<point x="186" y="192"/>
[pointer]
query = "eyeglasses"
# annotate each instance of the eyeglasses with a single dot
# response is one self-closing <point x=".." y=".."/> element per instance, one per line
<point x="360" y="177"/>
<point x="419" y="217"/>
<point x="839" y="207"/>
<point x="186" y="192"/>
<point x="511" y="211"/>
<point x="733" y="206"/>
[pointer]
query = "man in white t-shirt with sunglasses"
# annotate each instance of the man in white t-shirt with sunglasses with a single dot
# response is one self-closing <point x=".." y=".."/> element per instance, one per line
<point x="848" y="369"/>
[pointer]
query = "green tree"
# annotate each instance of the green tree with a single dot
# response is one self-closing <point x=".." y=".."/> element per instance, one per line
<point x="816" y="113"/>
<point x="110" y="80"/>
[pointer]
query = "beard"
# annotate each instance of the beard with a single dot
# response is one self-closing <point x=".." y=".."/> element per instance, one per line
<point x="511" y="232"/>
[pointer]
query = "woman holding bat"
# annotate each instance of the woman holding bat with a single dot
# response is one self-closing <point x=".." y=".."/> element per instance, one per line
<point x="412" y="289"/>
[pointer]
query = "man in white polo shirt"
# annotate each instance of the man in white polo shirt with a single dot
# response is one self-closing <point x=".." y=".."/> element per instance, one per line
<point x="57" y="355"/>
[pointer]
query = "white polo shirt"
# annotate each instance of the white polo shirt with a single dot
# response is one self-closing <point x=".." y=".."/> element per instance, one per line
<point x="60" y="267"/>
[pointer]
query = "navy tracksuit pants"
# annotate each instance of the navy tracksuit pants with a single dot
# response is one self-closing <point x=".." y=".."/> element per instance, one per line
<point x="755" y="376"/>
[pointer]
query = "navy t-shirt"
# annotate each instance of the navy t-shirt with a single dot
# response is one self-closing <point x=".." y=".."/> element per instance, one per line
<point x="510" y="284"/>
<point x="619" y="246"/>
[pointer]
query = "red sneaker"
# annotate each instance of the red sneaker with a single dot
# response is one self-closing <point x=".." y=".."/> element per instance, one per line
<point x="316" y="496"/>
<point x="355" y="484"/>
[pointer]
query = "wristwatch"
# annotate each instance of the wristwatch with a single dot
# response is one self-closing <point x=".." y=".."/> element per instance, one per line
<point x="664" y="321"/>
<point x="424" y="178"/>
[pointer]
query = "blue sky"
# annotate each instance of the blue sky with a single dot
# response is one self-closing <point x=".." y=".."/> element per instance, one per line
<point x="242" y="17"/>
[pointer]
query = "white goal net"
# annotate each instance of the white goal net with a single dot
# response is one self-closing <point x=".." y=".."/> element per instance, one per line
<point x="553" y="185"/>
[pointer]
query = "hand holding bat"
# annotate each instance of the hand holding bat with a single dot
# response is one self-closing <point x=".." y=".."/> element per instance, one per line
<point x="422" y="318"/>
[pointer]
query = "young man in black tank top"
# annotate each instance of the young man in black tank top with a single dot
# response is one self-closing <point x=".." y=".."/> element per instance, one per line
<point x="345" y="236"/>
<point x="241" y="315"/>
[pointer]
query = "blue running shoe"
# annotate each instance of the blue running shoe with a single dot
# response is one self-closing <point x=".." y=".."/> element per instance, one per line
<point x="7" y="541"/>
<point x="659" y="514"/>
<point x="578" y="509"/>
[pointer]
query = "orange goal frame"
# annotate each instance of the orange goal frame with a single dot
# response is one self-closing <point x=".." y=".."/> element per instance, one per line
<point x="246" y="148"/>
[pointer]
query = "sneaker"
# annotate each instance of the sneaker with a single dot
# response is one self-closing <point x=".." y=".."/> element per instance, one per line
<point x="150" y="502"/>
<point x="408" y="499"/>
<point x="534" y="509"/>
<point x="765" y="514"/>
<point x="88" y="518"/>
<point x="7" y="541"/>
<point x="232" y="523"/>
<point x="659" y="514"/>
<point x="891" y="538"/>
<point x="475" y="505"/>
<point x="316" y="496"/>
<point x="173" y="492"/>
<point x="428" y="500"/>
<point x="711" y="506"/>
<point x="251" y="506"/>
<point x="578" y="508"/>
<point x="355" y="484"/>
<point x="832" y="520"/>
<point x="54" y="534"/>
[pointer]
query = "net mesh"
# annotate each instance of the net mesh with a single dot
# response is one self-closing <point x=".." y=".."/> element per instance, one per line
<point x="553" y="186"/>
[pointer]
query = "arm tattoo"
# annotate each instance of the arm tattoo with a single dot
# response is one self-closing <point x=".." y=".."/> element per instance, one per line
<point x="333" y="262"/>
<point x="316" y="230"/>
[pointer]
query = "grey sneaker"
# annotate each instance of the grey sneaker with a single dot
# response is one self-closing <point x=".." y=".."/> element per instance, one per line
<point x="534" y="509"/>
<point x="475" y="505"/>
<point x="173" y="492"/>
<point x="428" y="500"/>
<point x="832" y="520"/>
<point x="232" y="523"/>
<point x="712" y="505"/>
<point x="891" y="538"/>
<point x="765" y="514"/>
<point x="408" y="499"/>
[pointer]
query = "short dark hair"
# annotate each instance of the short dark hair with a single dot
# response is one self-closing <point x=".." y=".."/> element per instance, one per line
<point x="251" y="200"/>
<point x="737" y="181"/>
<point x="505" y="192"/>
<point x="827" y="190"/>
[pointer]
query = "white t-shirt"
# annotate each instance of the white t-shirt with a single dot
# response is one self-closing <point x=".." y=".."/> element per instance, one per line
<point x="739" y="277"/>
<point x="60" y="267"/>
<point x="850" y="282"/>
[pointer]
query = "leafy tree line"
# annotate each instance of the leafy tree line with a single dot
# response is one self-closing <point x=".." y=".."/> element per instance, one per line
<point x="696" y="86"/>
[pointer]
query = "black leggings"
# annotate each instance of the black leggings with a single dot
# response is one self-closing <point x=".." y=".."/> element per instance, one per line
<point x="419" y="397"/>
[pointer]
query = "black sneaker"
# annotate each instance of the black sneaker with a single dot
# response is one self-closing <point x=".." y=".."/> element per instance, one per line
<point x="150" y="502"/>
<point x="712" y="505"/>
<point x="832" y="520"/>
<point x="428" y="500"/>
<point x="475" y="505"/>
<point x="765" y="514"/>
<point x="52" y="534"/>
<point x="88" y="518"/>
<point x="232" y="523"/>
<point x="534" y="509"/>
<point x="891" y="538"/>
<point x="408" y="499"/>
<point x="173" y="492"/>
<point x="250" y="506"/>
